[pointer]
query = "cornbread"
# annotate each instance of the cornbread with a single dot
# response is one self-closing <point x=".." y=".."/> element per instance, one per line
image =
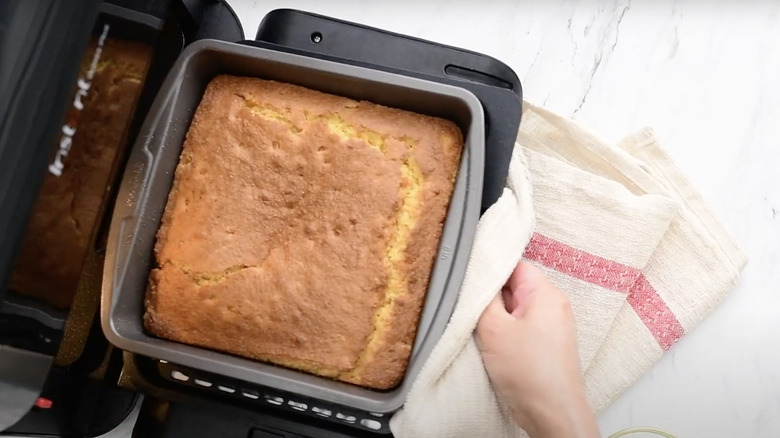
<point x="301" y="229"/>
<point x="69" y="203"/>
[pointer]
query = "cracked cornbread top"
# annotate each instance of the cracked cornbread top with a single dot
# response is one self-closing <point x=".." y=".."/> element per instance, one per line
<point x="302" y="228"/>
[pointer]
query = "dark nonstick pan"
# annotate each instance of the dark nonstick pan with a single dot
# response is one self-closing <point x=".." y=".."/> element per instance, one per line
<point x="149" y="175"/>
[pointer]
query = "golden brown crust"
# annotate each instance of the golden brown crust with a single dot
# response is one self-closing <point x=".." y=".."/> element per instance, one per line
<point x="68" y="206"/>
<point x="302" y="228"/>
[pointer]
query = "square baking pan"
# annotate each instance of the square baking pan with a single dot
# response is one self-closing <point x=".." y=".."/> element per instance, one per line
<point x="148" y="178"/>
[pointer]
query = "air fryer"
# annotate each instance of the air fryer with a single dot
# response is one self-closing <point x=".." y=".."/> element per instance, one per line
<point x="81" y="78"/>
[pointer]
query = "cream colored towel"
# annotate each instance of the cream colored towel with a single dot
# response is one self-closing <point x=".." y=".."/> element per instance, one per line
<point x="619" y="230"/>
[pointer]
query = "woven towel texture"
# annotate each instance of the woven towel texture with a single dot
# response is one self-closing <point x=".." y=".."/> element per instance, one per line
<point x="619" y="229"/>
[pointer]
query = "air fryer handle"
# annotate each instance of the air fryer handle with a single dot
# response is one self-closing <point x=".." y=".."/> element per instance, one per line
<point x="135" y="188"/>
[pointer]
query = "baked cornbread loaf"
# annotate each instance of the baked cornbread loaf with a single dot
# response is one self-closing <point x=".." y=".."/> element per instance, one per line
<point x="302" y="228"/>
<point x="68" y="207"/>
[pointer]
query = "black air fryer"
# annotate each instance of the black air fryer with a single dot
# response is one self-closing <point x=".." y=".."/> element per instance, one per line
<point x="77" y="81"/>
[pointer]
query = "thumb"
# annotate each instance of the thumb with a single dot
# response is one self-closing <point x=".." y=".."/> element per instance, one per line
<point x="493" y="313"/>
<point x="521" y="287"/>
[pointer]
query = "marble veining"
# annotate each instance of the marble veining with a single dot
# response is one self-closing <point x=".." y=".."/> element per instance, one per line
<point x="704" y="76"/>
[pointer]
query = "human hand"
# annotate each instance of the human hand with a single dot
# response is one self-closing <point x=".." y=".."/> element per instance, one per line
<point x="529" y="347"/>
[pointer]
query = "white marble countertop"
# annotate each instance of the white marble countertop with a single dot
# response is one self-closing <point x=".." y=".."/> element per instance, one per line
<point x="704" y="75"/>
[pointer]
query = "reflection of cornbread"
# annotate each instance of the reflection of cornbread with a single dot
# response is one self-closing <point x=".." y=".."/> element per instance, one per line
<point x="68" y="207"/>
<point x="302" y="228"/>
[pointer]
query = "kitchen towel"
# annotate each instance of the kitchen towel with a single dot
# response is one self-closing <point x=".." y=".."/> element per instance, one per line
<point x="619" y="230"/>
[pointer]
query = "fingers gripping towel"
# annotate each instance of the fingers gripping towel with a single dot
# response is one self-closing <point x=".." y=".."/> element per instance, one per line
<point x="619" y="230"/>
<point x="452" y="393"/>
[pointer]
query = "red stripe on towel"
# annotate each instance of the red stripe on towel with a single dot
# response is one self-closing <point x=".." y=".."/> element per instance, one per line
<point x="654" y="312"/>
<point x="612" y="275"/>
<point x="571" y="261"/>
